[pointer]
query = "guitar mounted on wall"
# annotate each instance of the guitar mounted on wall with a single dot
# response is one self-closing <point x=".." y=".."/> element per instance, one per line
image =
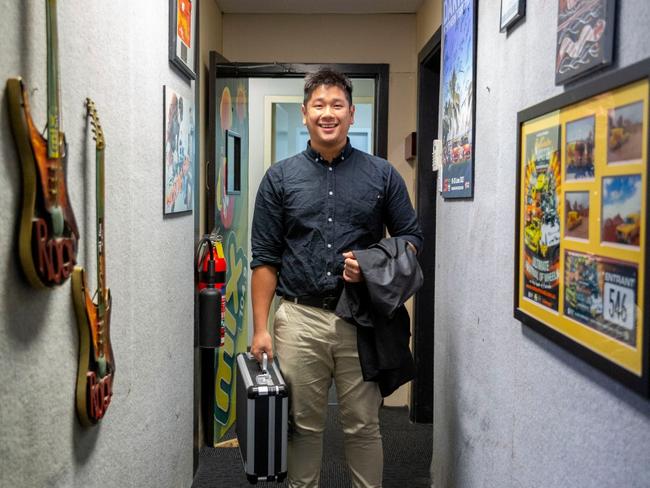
<point x="96" y="363"/>
<point x="48" y="229"/>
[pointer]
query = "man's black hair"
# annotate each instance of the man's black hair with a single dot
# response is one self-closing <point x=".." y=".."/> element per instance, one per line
<point x="327" y="77"/>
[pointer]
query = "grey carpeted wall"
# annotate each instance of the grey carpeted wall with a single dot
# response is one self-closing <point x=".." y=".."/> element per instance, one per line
<point x="511" y="408"/>
<point x="117" y="53"/>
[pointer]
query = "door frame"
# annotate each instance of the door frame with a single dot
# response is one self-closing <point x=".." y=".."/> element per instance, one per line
<point x="421" y="410"/>
<point x="222" y="68"/>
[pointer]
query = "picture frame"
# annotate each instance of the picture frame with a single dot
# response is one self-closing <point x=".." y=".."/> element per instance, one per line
<point x="458" y="98"/>
<point x="581" y="230"/>
<point x="511" y="12"/>
<point x="585" y="38"/>
<point x="233" y="162"/>
<point x="178" y="153"/>
<point x="183" y="26"/>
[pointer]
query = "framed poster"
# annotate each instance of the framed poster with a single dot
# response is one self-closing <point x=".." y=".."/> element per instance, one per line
<point x="585" y="37"/>
<point x="511" y="12"/>
<point x="183" y="36"/>
<point x="178" y="165"/>
<point x="458" y="74"/>
<point x="581" y="225"/>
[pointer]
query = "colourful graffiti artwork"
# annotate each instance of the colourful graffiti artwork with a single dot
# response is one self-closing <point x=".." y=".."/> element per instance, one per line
<point x="232" y="223"/>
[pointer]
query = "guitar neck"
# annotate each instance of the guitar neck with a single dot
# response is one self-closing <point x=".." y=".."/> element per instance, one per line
<point x="101" y="258"/>
<point x="53" y="102"/>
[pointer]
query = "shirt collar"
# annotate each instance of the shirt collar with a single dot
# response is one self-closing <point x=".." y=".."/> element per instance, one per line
<point x="315" y="156"/>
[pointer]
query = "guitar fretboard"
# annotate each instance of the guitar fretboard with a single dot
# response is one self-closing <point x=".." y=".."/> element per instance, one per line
<point x="53" y="90"/>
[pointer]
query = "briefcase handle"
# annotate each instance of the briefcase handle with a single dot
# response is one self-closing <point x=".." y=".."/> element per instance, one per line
<point x="265" y="362"/>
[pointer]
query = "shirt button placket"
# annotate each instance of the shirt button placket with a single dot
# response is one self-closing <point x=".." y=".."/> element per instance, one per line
<point x="331" y="209"/>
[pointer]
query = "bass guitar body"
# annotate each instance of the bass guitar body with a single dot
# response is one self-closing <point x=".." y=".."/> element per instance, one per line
<point x="96" y="361"/>
<point x="49" y="236"/>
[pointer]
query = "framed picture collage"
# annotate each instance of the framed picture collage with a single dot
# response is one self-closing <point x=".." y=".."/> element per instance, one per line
<point x="581" y="230"/>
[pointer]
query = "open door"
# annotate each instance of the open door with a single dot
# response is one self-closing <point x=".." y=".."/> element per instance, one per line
<point x="227" y="215"/>
<point x="427" y="130"/>
<point x="228" y="168"/>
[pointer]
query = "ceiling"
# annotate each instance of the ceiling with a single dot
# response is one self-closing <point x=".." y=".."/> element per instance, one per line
<point x="318" y="6"/>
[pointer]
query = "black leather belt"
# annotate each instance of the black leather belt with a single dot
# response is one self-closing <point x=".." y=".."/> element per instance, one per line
<point x="325" y="302"/>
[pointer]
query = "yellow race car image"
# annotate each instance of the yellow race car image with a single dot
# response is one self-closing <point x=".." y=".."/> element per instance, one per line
<point x="617" y="137"/>
<point x="628" y="231"/>
<point x="573" y="220"/>
<point x="532" y="235"/>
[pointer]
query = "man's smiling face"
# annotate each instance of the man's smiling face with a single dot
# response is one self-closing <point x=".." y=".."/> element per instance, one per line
<point x="328" y="116"/>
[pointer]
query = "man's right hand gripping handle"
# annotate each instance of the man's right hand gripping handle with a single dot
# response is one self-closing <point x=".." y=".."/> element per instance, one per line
<point x="262" y="343"/>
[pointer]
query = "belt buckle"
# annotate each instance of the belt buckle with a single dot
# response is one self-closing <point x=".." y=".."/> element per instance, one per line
<point x="329" y="303"/>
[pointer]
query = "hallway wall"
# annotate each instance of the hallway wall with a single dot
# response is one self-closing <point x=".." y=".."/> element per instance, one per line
<point x="512" y="409"/>
<point x="428" y="19"/>
<point x="116" y="53"/>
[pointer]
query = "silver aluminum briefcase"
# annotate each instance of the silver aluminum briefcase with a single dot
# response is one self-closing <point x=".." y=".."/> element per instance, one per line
<point x="262" y="419"/>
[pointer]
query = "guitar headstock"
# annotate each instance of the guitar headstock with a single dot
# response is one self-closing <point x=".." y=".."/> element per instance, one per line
<point x="98" y="133"/>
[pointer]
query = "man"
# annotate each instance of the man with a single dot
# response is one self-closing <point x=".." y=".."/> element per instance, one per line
<point x="312" y="212"/>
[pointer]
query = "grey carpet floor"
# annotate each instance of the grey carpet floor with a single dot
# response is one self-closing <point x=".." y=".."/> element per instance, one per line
<point x="407" y="456"/>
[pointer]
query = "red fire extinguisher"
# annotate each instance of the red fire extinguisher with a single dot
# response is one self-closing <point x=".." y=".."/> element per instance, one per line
<point x="211" y="267"/>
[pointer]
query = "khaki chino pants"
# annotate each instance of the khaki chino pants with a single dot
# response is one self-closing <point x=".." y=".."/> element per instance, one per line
<point x="313" y="346"/>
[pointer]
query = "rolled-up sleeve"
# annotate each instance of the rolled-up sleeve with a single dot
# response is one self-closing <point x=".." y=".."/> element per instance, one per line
<point x="267" y="236"/>
<point x="400" y="218"/>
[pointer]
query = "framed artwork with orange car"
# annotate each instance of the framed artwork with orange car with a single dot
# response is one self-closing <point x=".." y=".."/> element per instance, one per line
<point x="183" y="38"/>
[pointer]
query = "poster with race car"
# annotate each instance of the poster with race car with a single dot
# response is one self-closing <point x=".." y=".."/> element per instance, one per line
<point x="576" y="215"/>
<point x="625" y="134"/>
<point x="542" y="181"/>
<point x="580" y="148"/>
<point x="458" y="74"/>
<point x="581" y="252"/>
<point x="585" y="37"/>
<point x="621" y="212"/>
<point x="601" y="293"/>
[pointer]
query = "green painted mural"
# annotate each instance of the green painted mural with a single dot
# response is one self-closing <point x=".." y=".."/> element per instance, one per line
<point x="232" y="223"/>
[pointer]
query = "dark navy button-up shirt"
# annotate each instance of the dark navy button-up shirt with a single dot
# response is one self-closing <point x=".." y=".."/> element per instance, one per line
<point x="309" y="211"/>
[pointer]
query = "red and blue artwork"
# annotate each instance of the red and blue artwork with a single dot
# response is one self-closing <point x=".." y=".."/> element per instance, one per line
<point x="178" y="173"/>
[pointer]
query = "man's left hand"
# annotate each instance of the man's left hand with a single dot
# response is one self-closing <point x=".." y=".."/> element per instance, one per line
<point x="351" y="271"/>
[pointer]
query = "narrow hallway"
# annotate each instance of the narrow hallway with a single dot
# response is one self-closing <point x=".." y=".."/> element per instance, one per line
<point x="407" y="456"/>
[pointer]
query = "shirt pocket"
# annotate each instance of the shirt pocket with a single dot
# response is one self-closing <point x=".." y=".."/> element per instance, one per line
<point x="365" y="210"/>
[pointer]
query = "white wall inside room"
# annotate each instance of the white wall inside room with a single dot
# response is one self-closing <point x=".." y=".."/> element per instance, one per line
<point x="116" y="53"/>
<point x="512" y="409"/>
